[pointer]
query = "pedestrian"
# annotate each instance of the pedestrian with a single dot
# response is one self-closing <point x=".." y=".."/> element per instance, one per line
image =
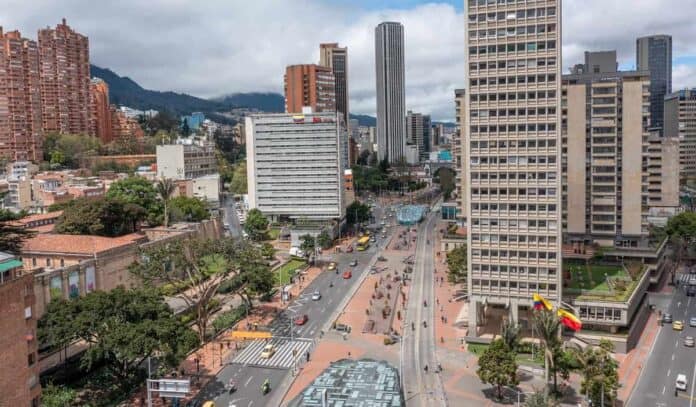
<point x="437" y="301"/>
<point x="348" y="354"/>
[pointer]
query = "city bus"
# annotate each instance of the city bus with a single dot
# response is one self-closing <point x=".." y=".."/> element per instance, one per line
<point x="363" y="243"/>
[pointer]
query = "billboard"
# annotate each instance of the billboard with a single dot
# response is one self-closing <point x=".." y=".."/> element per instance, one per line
<point x="90" y="280"/>
<point x="55" y="287"/>
<point x="74" y="284"/>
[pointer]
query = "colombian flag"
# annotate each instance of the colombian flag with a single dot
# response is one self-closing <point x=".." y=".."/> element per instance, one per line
<point x="570" y="320"/>
<point x="540" y="303"/>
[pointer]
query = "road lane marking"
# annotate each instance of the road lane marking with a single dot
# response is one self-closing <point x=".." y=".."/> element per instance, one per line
<point x="663" y="389"/>
<point x="676" y="343"/>
<point x="248" y="380"/>
<point x="673" y="356"/>
<point x="668" y="372"/>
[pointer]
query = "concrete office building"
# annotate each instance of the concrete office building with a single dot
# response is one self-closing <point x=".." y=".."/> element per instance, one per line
<point x="512" y="121"/>
<point x="459" y="147"/>
<point x="309" y="85"/>
<point x="295" y="166"/>
<point x="605" y="143"/>
<point x="336" y="58"/>
<point x="654" y="55"/>
<point x="21" y="137"/>
<point x="65" y="80"/>
<point x="680" y="122"/>
<point x="414" y="130"/>
<point x="391" y="91"/>
<point x="186" y="161"/>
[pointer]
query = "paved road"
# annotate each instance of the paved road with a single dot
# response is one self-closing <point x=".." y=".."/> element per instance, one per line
<point x="230" y="215"/>
<point x="420" y="388"/>
<point x="250" y="378"/>
<point x="668" y="358"/>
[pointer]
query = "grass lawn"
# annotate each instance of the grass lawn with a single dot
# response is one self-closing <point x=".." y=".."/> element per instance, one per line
<point x="287" y="270"/>
<point x="593" y="279"/>
<point x="522" y="358"/>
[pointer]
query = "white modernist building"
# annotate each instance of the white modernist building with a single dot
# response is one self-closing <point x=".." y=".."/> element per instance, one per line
<point x="295" y="165"/>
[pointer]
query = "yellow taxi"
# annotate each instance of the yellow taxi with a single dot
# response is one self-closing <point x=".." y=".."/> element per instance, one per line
<point x="332" y="266"/>
<point x="268" y="351"/>
<point x="677" y="325"/>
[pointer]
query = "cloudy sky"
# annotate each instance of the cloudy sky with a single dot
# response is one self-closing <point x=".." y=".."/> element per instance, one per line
<point x="212" y="47"/>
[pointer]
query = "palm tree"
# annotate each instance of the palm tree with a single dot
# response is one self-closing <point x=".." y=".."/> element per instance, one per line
<point x="165" y="189"/>
<point x="510" y="333"/>
<point x="548" y="326"/>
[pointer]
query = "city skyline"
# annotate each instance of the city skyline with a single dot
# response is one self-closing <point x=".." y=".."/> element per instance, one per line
<point x="226" y="61"/>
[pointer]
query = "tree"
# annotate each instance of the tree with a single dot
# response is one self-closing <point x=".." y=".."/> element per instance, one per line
<point x="456" y="264"/>
<point x="324" y="240"/>
<point x="363" y="158"/>
<point x="497" y="367"/>
<point x="188" y="209"/>
<point x="165" y="189"/>
<point x="238" y="185"/>
<point x="100" y="216"/>
<point x="267" y="250"/>
<point x="445" y="177"/>
<point x="384" y="165"/>
<point x="57" y="396"/>
<point x="684" y="226"/>
<point x="256" y="225"/>
<point x="357" y="212"/>
<point x="510" y="334"/>
<point x="539" y="399"/>
<point x="139" y="191"/>
<point x="122" y="328"/>
<point x="196" y="267"/>
<point x="599" y="373"/>
<point x="69" y="150"/>
<point x="547" y="325"/>
<point x="12" y="235"/>
<point x="308" y="245"/>
<point x="253" y="277"/>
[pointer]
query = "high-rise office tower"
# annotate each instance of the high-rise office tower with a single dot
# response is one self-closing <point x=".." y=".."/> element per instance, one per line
<point x="605" y="153"/>
<point x="513" y="129"/>
<point x="391" y="94"/>
<point x="309" y="86"/>
<point x="20" y="98"/>
<point x="414" y="130"/>
<point x="654" y="54"/>
<point x="680" y="122"/>
<point x="334" y="57"/>
<point x="65" y="79"/>
<point x="459" y="147"/>
<point x="424" y="147"/>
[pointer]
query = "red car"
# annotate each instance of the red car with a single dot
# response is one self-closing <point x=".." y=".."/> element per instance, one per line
<point x="347" y="274"/>
<point x="301" y="320"/>
<point x="349" y="249"/>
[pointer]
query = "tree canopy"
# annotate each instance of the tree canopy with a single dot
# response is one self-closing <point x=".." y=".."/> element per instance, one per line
<point x="69" y="150"/>
<point x="457" y="264"/>
<point x="324" y="240"/>
<point x="141" y="192"/>
<point x="357" y="212"/>
<point x="497" y="366"/>
<point x="102" y="216"/>
<point x="599" y="373"/>
<point x="123" y="328"/>
<point x="256" y="225"/>
<point x="183" y="208"/>
<point x="12" y="235"/>
<point x="238" y="185"/>
<point x="684" y="226"/>
<point x="308" y="244"/>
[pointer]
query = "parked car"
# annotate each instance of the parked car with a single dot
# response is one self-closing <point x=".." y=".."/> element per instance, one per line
<point x="268" y="351"/>
<point x="677" y="325"/>
<point x="689" y="341"/>
<point x="353" y="263"/>
<point x="301" y="320"/>
<point x="342" y="328"/>
<point x="667" y="318"/>
<point x="332" y="266"/>
<point x="681" y="382"/>
<point x="347" y="274"/>
<point x="316" y="296"/>
<point x="692" y="322"/>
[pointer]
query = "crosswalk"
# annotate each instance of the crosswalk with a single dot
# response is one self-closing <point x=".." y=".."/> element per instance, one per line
<point x="287" y="352"/>
<point x="684" y="278"/>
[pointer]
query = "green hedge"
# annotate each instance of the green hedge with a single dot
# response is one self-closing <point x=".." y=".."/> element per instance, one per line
<point x="228" y="318"/>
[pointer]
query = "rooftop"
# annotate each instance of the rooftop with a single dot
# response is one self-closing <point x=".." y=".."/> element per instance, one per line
<point x="355" y="383"/>
<point x="77" y="244"/>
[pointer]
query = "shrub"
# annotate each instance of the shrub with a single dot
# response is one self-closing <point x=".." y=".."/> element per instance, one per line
<point x="389" y="341"/>
<point x="228" y="318"/>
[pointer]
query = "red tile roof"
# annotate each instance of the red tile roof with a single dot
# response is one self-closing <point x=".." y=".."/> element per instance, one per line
<point x="39" y="217"/>
<point x="77" y="244"/>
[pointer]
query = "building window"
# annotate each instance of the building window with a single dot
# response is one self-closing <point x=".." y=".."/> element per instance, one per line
<point x="62" y="262"/>
<point x="33" y="261"/>
<point x="48" y="262"/>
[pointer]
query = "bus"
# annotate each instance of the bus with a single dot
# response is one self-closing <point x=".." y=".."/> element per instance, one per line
<point x="363" y="243"/>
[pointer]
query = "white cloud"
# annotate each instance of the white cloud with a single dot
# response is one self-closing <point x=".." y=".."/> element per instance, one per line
<point x="223" y="46"/>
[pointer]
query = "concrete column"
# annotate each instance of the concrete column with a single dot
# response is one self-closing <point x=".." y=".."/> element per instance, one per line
<point x="83" y="282"/>
<point x="514" y="311"/>
<point x="473" y="317"/>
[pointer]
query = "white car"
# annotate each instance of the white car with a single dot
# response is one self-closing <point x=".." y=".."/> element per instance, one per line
<point x="681" y="382"/>
<point x="316" y="296"/>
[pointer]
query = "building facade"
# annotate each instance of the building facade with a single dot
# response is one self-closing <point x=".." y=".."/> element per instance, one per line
<point x="459" y="147"/>
<point x="100" y="113"/>
<point x="309" y="85"/>
<point x="336" y="58"/>
<point x="295" y="166"/>
<point x="19" y="377"/>
<point x="21" y="137"/>
<point x="680" y="122"/>
<point x="605" y="143"/>
<point x="185" y="161"/>
<point x="654" y="55"/>
<point x="65" y="80"/>
<point x="391" y="91"/>
<point x="414" y="130"/>
<point x="512" y="118"/>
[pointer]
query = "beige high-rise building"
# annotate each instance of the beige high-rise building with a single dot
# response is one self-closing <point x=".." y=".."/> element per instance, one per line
<point x="606" y="117"/>
<point x="65" y="80"/>
<point x="335" y="57"/>
<point x="513" y="167"/>
<point x="459" y="147"/>
<point x="680" y="122"/>
<point x="21" y="137"/>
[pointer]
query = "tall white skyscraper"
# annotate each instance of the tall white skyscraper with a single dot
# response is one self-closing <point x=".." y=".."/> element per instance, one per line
<point x="391" y="94"/>
<point x="512" y="127"/>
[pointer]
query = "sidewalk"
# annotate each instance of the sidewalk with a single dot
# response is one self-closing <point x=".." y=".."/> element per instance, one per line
<point x="631" y="364"/>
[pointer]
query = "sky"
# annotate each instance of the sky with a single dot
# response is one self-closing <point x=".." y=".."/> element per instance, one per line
<point x="209" y="48"/>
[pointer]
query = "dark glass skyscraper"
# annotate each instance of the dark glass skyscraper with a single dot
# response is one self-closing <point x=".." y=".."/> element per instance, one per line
<point x="654" y="54"/>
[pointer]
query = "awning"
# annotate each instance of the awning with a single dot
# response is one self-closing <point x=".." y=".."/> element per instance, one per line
<point x="9" y="265"/>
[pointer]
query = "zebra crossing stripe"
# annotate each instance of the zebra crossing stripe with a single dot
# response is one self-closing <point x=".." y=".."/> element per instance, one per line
<point x="283" y="358"/>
